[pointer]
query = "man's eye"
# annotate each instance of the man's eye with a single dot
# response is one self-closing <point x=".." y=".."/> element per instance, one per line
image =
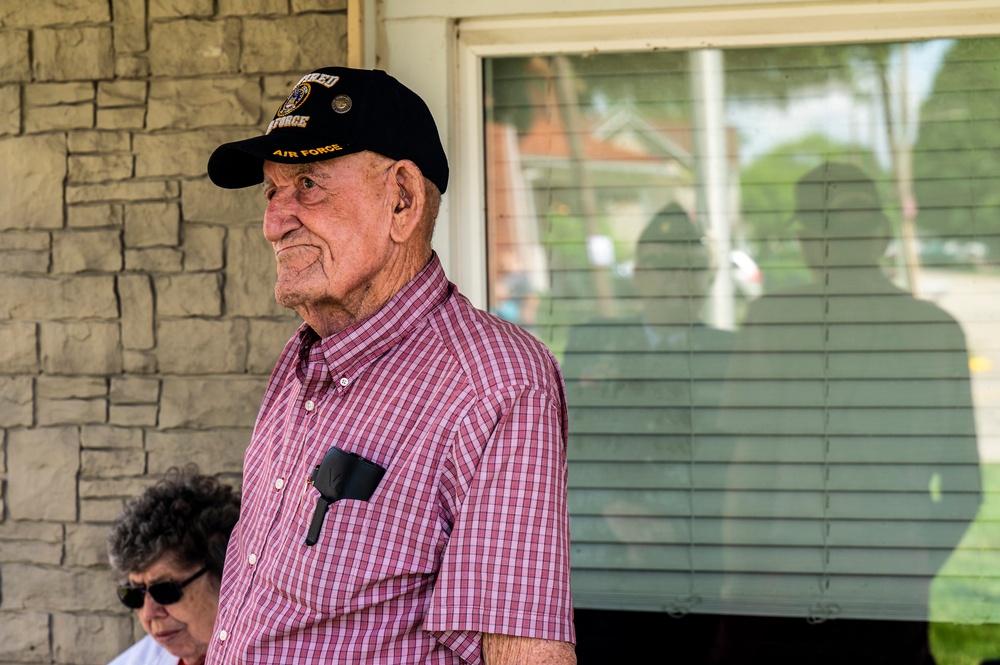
<point x="308" y="183"/>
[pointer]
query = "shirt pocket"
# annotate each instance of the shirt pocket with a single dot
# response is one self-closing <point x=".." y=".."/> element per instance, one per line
<point x="367" y="553"/>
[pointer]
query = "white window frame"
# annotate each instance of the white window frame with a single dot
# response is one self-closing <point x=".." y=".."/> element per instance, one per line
<point x="437" y="46"/>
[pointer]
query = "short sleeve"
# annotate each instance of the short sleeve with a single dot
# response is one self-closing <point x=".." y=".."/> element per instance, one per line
<point x="506" y="567"/>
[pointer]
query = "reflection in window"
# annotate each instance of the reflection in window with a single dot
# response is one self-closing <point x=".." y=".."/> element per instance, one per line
<point x="767" y="274"/>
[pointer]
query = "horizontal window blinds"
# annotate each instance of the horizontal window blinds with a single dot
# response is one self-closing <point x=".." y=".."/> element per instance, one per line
<point x="823" y="455"/>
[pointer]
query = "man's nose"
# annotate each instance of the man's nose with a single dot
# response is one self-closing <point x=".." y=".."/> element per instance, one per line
<point x="280" y="215"/>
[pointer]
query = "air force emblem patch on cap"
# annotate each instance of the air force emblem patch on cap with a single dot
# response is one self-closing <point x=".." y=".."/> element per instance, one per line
<point x="296" y="98"/>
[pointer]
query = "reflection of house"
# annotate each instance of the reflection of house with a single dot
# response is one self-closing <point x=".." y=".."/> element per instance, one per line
<point x="612" y="172"/>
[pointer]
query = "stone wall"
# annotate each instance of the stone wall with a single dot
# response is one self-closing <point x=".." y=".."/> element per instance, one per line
<point x="137" y="325"/>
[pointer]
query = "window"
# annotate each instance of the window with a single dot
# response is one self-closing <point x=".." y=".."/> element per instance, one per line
<point x="769" y="275"/>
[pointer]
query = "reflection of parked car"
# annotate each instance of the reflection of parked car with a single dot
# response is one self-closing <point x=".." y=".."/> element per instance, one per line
<point x="746" y="276"/>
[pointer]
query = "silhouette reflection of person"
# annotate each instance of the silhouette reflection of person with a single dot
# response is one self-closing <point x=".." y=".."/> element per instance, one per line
<point x="637" y="405"/>
<point x="855" y="467"/>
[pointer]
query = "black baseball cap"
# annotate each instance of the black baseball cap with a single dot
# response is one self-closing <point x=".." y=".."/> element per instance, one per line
<point x="332" y="112"/>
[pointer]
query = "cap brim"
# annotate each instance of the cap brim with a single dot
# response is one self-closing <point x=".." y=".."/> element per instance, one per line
<point x="241" y="163"/>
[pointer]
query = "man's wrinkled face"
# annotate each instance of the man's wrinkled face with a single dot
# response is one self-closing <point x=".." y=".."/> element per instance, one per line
<point x="329" y="223"/>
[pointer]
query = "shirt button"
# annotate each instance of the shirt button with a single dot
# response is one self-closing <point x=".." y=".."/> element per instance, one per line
<point x="344" y="381"/>
<point x="223" y="635"/>
<point x="252" y="559"/>
<point x="310" y="405"/>
<point x="279" y="483"/>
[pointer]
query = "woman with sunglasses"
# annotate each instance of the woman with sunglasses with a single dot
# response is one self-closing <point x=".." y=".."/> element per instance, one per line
<point x="167" y="548"/>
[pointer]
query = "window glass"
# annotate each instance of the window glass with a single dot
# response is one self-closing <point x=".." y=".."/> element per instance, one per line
<point x="770" y="277"/>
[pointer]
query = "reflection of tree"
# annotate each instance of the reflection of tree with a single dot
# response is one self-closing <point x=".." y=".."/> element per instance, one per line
<point x="957" y="163"/>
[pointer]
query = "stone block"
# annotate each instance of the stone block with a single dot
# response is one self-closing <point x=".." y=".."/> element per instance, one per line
<point x="209" y="102"/>
<point x="210" y="402"/>
<point x="34" y="15"/>
<point x="81" y="347"/>
<point x="179" y="8"/>
<point x="104" y="511"/>
<point x="105" y="436"/>
<point x="298" y="42"/>
<point x="204" y="202"/>
<point x="121" y="93"/>
<point x="157" y="259"/>
<point x="58" y="118"/>
<point x="32" y="192"/>
<point x="53" y="412"/>
<point x="250" y="275"/>
<point x="218" y="451"/>
<point x="86" y="544"/>
<point x="112" y="463"/>
<point x="276" y="89"/>
<point x="131" y="66"/>
<point x="189" y="294"/>
<point x="88" y="250"/>
<point x="106" y="488"/>
<point x="299" y="6"/>
<point x="126" y="117"/>
<point x="152" y="224"/>
<point x="16" y="401"/>
<point x="180" y="153"/>
<point x="221" y="345"/>
<point x="10" y="109"/>
<point x="88" y="590"/>
<point x="90" y="638"/>
<point x="134" y="390"/>
<point x="15" y="58"/>
<point x="203" y="247"/>
<point x="31" y="551"/>
<point x="81" y="53"/>
<point x="137" y="311"/>
<point x="18" y="348"/>
<point x="266" y="341"/>
<point x="26" y="240"/>
<point x="129" y="25"/>
<point x="71" y="387"/>
<point x="41" y="484"/>
<point x="140" y="362"/>
<point x="24" y="636"/>
<point x="134" y="415"/>
<point x="121" y="191"/>
<point x="41" y="531"/>
<point x="56" y="94"/>
<point x="100" y="168"/>
<point x="99" y="141"/>
<point x="46" y="299"/>
<point x="95" y="216"/>
<point x="252" y="7"/>
<point x="191" y="47"/>
<point x="22" y="262"/>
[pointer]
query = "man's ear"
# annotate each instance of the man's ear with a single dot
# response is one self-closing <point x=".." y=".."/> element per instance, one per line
<point x="408" y="200"/>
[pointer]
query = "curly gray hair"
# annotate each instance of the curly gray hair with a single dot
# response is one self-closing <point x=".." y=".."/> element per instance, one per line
<point x="185" y="514"/>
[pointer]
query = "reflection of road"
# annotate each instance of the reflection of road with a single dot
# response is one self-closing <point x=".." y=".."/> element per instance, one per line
<point x="969" y="298"/>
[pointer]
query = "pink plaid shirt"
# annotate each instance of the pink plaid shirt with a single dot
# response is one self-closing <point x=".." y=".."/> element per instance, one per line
<point x="467" y="532"/>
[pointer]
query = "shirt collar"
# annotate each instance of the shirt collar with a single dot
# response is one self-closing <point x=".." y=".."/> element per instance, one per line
<point x="404" y="313"/>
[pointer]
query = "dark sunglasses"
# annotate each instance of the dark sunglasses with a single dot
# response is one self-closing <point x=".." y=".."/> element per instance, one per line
<point x="165" y="593"/>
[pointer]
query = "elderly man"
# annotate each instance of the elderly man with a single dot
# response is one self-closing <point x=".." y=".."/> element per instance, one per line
<point x="405" y="486"/>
